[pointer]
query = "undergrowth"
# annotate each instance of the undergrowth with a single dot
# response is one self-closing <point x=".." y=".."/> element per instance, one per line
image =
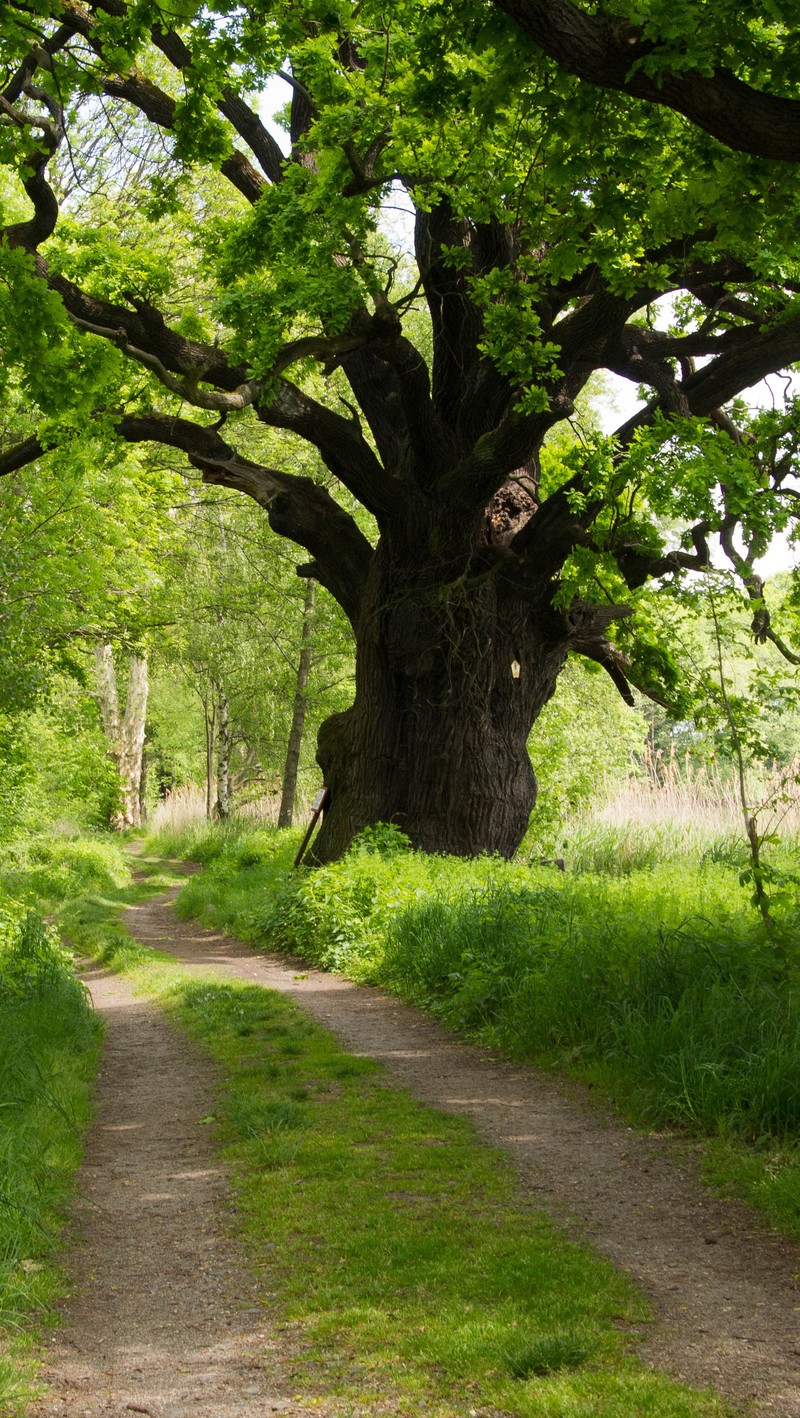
<point x="659" y="984"/>
<point x="49" y="1043"/>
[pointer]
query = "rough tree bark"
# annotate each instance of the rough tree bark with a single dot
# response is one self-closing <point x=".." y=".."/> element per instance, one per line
<point x="451" y="673"/>
<point x="125" y="732"/>
<point x="289" y="786"/>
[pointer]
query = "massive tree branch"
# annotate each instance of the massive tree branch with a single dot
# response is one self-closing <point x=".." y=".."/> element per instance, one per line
<point x="340" y="441"/>
<point x="706" y="390"/>
<point x="20" y="455"/>
<point x="146" y="330"/>
<point x="606" y="50"/>
<point x="464" y="380"/>
<point x="159" y="108"/>
<point x="242" y="118"/>
<point x="297" y="507"/>
<point x="390" y="380"/>
<point x="238" y="113"/>
<point x="30" y="234"/>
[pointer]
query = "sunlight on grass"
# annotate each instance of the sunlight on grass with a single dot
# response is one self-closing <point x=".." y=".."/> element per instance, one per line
<point x="656" y="984"/>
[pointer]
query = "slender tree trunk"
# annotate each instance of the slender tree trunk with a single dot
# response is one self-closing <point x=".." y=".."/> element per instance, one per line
<point x="760" y="893"/>
<point x="222" y="807"/>
<point x="124" y="732"/>
<point x="143" y="788"/>
<point x="289" y="792"/>
<point x="210" y="720"/>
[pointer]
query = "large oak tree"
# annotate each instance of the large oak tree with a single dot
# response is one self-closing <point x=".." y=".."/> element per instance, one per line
<point x="558" y="229"/>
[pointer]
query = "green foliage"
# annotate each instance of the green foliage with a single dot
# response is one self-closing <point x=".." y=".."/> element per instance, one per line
<point x="236" y="611"/>
<point x="335" y="915"/>
<point x="580" y="747"/>
<point x="54" y="363"/>
<point x="87" y="537"/>
<point x="54" y="764"/>
<point x="682" y="1016"/>
<point x="48" y="870"/>
<point x="49" y="1041"/>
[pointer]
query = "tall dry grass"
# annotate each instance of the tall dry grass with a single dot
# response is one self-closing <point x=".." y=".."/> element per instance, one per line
<point x="671" y="806"/>
<point x="674" y="788"/>
<point x="185" y="808"/>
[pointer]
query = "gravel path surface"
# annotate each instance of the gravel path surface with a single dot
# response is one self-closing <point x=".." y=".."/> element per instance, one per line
<point x="164" y="1320"/>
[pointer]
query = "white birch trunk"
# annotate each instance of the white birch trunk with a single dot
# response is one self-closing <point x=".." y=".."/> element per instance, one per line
<point x="124" y="732"/>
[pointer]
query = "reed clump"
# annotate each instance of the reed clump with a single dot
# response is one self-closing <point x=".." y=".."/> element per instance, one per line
<point x="671" y="807"/>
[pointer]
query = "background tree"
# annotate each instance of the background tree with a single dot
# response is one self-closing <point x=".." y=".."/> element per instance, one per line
<point x="551" y="221"/>
<point x="238" y="641"/>
<point x="83" y="550"/>
<point x="124" y="726"/>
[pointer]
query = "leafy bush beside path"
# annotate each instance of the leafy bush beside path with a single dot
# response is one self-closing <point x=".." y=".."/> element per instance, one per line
<point x="49" y="1044"/>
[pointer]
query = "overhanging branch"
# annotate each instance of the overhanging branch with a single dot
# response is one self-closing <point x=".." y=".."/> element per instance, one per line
<point x="19" y="456"/>
<point x="608" y="50"/>
<point x="297" y="507"/>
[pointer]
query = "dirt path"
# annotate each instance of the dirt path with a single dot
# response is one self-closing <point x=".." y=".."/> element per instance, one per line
<point x="164" y="1320"/>
<point x="727" y="1294"/>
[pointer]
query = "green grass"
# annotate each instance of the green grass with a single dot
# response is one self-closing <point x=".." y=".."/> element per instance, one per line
<point x="391" y="1243"/>
<point x="657" y="985"/>
<point x="49" y="1043"/>
<point x="49" y="1046"/>
<point x="528" y="1358"/>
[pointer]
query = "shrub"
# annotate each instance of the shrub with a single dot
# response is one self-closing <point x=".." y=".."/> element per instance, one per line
<point x="51" y="869"/>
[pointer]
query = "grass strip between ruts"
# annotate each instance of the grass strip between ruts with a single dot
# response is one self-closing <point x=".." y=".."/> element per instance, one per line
<point x="391" y="1242"/>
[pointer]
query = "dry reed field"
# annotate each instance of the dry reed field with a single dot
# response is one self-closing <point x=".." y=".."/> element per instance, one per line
<point x="669" y="805"/>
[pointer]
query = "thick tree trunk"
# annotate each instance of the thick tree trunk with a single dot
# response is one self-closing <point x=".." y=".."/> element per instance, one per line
<point x="125" y="732"/>
<point x="289" y="792"/>
<point x="436" y="740"/>
<point x="222" y="807"/>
